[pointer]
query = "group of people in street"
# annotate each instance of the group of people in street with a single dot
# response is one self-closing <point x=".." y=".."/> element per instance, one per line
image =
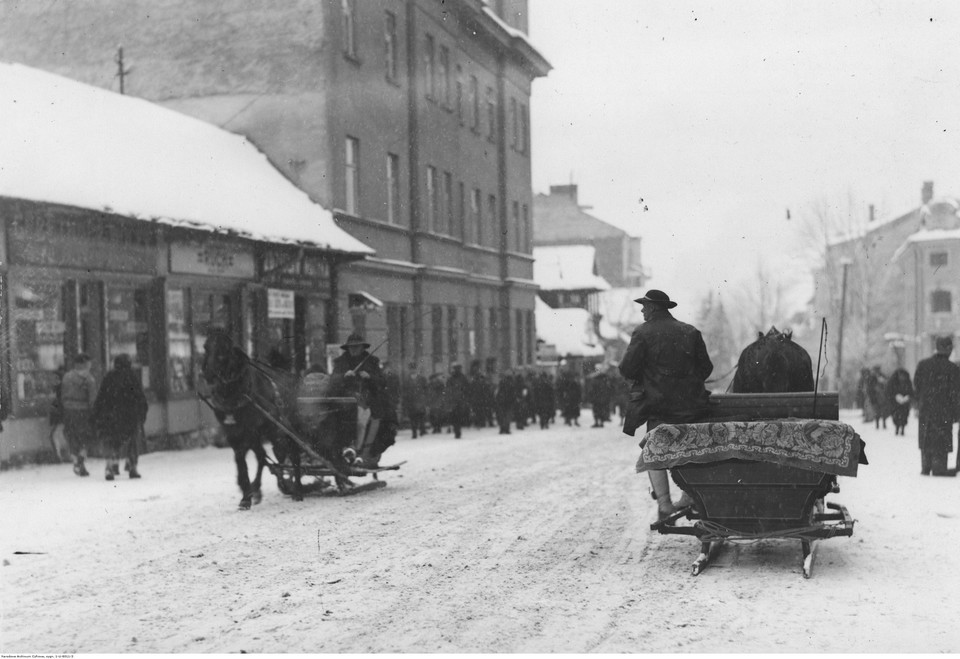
<point x="114" y="413"/>
<point x="935" y="392"/>
<point x="513" y="400"/>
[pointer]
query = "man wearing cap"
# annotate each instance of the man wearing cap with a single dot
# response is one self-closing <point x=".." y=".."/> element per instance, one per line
<point x="357" y="362"/>
<point x="937" y="386"/>
<point x="667" y="364"/>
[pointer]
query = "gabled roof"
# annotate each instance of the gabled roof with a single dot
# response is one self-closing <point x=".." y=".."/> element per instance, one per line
<point x="65" y="142"/>
<point x="558" y="219"/>
<point x="567" y="268"/>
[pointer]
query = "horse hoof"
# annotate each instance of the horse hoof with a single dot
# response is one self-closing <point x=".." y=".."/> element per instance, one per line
<point x="257" y="497"/>
<point x="244" y="505"/>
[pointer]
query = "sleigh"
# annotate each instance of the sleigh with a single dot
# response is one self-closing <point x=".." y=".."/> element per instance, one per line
<point x="313" y="423"/>
<point x="759" y="467"/>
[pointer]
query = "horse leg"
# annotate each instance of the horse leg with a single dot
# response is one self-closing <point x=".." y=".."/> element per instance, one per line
<point x="297" y="473"/>
<point x="243" y="478"/>
<point x="261" y="454"/>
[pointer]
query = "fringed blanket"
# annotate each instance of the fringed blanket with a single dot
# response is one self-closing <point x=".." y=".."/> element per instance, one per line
<point x="814" y="444"/>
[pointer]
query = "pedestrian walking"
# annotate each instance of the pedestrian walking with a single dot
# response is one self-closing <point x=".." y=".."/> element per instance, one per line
<point x="118" y="415"/>
<point x="458" y="393"/>
<point x="570" y="395"/>
<point x="505" y="400"/>
<point x="668" y="364"/>
<point x="415" y="400"/>
<point x="78" y="392"/>
<point x="899" y="398"/>
<point x="937" y="386"/>
<point x="436" y="406"/>
<point x="600" y="395"/>
<point x="878" y="397"/>
<point x="544" y="400"/>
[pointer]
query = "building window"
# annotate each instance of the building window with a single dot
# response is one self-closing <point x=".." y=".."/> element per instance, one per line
<point x="473" y="235"/>
<point x="393" y="188"/>
<point x="941" y="301"/>
<point x="430" y="68"/>
<point x="39" y="331"/>
<point x="453" y="334"/>
<point x="517" y="228"/>
<point x="352" y="175"/>
<point x="436" y="330"/>
<point x="494" y="333"/>
<point x="491" y="115"/>
<point x="520" y="338"/>
<point x="474" y="100"/>
<point x="433" y="199"/>
<point x="448" y="203"/>
<point x="459" y="94"/>
<point x="938" y="259"/>
<point x="514" y="124"/>
<point x="349" y="27"/>
<point x="390" y="46"/>
<point x="478" y="333"/>
<point x="531" y="338"/>
<point x="524" y="128"/>
<point x="492" y="214"/>
<point x="461" y="211"/>
<point x="525" y="221"/>
<point x="445" y="76"/>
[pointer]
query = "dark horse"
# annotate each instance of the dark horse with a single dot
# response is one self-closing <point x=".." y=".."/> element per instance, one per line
<point x="232" y="385"/>
<point x="773" y="364"/>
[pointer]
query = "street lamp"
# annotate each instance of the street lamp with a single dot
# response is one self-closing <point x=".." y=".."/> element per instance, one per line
<point x="846" y="263"/>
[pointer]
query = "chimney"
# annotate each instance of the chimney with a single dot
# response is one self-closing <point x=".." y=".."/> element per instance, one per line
<point x="565" y="191"/>
<point x="927" y="194"/>
<point x="871" y="217"/>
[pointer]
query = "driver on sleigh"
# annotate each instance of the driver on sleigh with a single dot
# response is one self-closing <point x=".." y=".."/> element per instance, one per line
<point x="362" y="370"/>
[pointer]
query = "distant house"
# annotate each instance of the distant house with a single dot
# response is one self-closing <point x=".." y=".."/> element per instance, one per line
<point x="558" y="219"/>
<point x="567" y="277"/>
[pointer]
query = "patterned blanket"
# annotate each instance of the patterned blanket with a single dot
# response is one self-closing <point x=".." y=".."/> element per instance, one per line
<point x="815" y="444"/>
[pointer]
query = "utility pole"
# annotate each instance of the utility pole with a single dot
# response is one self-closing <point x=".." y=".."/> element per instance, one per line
<point x="121" y="72"/>
<point x="846" y="263"/>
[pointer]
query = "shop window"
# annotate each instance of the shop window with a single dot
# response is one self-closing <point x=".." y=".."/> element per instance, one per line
<point x="128" y="328"/>
<point x="179" y="355"/>
<point x="37" y="315"/>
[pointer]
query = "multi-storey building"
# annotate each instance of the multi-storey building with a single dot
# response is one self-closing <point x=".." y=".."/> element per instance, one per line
<point x="408" y="118"/>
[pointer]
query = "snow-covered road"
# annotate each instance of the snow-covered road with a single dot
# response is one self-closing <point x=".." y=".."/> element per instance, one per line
<point x="533" y="542"/>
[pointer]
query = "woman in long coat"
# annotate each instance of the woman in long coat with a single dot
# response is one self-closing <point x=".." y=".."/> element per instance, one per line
<point x="899" y="398"/>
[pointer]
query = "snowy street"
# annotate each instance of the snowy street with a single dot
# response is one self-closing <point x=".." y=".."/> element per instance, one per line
<point x="534" y="542"/>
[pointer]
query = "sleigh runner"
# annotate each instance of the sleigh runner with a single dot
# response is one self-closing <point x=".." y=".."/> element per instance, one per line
<point x="759" y="467"/>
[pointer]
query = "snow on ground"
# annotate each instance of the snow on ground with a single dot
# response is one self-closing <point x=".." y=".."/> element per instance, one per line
<point x="534" y="542"/>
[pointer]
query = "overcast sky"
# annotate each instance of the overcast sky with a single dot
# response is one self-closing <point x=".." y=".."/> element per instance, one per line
<point x="696" y="125"/>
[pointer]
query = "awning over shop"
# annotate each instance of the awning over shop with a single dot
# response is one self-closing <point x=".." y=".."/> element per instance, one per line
<point x="363" y="300"/>
<point x="66" y="142"/>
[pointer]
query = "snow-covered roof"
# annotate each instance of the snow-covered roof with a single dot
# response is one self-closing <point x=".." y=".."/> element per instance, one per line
<point x="926" y="235"/>
<point x="570" y="331"/>
<point x="567" y="268"/>
<point x="65" y="142"/>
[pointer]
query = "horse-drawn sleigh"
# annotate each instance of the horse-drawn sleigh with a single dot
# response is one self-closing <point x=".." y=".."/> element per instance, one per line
<point x="319" y="425"/>
<point x="762" y="462"/>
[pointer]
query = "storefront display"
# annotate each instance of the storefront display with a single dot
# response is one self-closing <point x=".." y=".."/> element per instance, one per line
<point x="39" y="346"/>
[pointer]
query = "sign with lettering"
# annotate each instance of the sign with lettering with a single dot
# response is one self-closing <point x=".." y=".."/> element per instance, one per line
<point x="212" y="257"/>
<point x="280" y="304"/>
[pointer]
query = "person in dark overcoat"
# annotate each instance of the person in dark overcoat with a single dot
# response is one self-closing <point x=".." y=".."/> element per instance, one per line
<point x="667" y="364"/>
<point x="937" y="386"/>
<point x="600" y="395"/>
<point x="878" y="397"/>
<point x="415" y="400"/>
<point x="458" y="399"/>
<point x="119" y="413"/>
<point x="504" y="401"/>
<point x="899" y="398"/>
<point x="521" y="408"/>
<point x="437" y="402"/>
<point x="362" y="371"/>
<point x="481" y="399"/>
<point x="570" y="396"/>
<point x="544" y="399"/>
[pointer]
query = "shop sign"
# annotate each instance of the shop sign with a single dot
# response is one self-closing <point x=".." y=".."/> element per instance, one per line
<point x="212" y="258"/>
<point x="280" y="304"/>
<point x="290" y="269"/>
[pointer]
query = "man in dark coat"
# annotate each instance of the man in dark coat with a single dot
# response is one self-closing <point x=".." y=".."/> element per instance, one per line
<point x="600" y="394"/>
<point x="569" y="394"/>
<point x="899" y="396"/>
<point x="505" y="399"/>
<point x="458" y="396"/>
<point x="937" y="386"/>
<point x="118" y="415"/>
<point x="415" y="400"/>
<point x="78" y="392"/>
<point x="362" y="369"/>
<point x="667" y="364"/>
<point x="544" y="399"/>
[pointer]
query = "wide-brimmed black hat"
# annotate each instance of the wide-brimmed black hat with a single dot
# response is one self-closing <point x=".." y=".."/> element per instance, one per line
<point x="355" y="340"/>
<point x="657" y="297"/>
